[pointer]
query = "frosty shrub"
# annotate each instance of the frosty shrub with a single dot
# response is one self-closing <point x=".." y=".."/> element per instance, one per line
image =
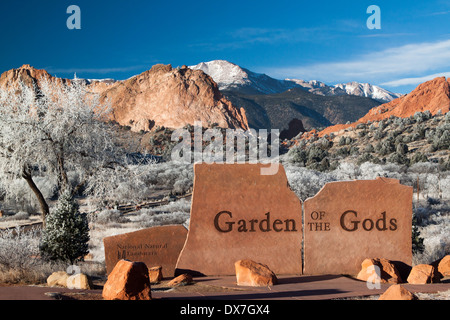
<point x="441" y="139"/>
<point x="66" y="233"/>
<point x="109" y="216"/>
<point x="19" y="257"/>
<point x="306" y="182"/>
<point x="369" y="148"/>
<point x="182" y="186"/>
<point x="365" y="157"/>
<point x="176" y="212"/>
<point x="137" y="183"/>
<point x="164" y="218"/>
<point x="418" y="157"/>
<point x="435" y="231"/>
<point x="21" y="215"/>
<point x="18" y="249"/>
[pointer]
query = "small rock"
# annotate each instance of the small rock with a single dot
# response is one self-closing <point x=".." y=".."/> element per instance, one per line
<point x="89" y="257"/>
<point x="254" y="274"/>
<point x="388" y="271"/>
<point x="444" y="266"/>
<point x="397" y="292"/>
<point x="79" y="281"/>
<point x="181" y="280"/>
<point x="58" y="278"/>
<point x="422" y="274"/>
<point x="128" y="281"/>
<point x="54" y="295"/>
<point x="155" y="274"/>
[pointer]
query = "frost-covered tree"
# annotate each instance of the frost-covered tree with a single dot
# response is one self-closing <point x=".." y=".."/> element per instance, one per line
<point x="66" y="233"/>
<point x="50" y="130"/>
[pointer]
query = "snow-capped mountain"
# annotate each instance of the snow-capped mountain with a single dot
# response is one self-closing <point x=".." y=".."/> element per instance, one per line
<point x="230" y="76"/>
<point x="319" y="88"/>
<point x="350" y="88"/>
<point x="368" y="90"/>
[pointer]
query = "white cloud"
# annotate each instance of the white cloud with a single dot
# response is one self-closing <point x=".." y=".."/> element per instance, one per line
<point x="93" y="70"/>
<point x="414" y="80"/>
<point x="412" y="60"/>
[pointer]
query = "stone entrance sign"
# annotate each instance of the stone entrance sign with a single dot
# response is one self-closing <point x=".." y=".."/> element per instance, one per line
<point x="349" y="221"/>
<point x="237" y="213"/>
<point x="156" y="246"/>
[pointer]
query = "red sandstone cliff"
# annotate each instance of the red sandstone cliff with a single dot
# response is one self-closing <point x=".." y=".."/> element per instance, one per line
<point x="164" y="96"/>
<point x="433" y="95"/>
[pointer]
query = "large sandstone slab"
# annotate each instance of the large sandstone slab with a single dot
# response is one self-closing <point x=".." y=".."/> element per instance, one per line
<point x="349" y="221"/>
<point x="156" y="246"/>
<point x="237" y="213"/>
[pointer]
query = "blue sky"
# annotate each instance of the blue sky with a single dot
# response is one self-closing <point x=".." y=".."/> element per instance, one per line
<point x="322" y="40"/>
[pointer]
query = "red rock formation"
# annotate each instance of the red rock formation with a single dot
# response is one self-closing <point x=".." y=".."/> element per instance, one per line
<point x="254" y="274"/>
<point x="423" y="274"/>
<point x="397" y="292"/>
<point x="433" y="95"/>
<point x="182" y="280"/>
<point x="388" y="273"/>
<point x="128" y="280"/>
<point x="444" y="266"/>
<point x="27" y="74"/>
<point x="173" y="98"/>
<point x="162" y="96"/>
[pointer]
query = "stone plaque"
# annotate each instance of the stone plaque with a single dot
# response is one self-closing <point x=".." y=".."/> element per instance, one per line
<point x="349" y="221"/>
<point x="156" y="246"/>
<point x="237" y="213"/>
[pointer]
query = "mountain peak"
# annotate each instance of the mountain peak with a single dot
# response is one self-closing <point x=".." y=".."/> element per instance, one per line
<point x="26" y="74"/>
<point x="230" y="76"/>
<point x="224" y="73"/>
<point x="27" y="66"/>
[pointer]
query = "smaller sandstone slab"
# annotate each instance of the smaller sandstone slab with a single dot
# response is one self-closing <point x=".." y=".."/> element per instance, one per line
<point x="128" y="281"/>
<point x="156" y="246"/>
<point x="387" y="273"/>
<point x="348" y="221"/>
<point x="397" y="292"/>
<point x="423" y="274"/>
<point x="254" y="274"/>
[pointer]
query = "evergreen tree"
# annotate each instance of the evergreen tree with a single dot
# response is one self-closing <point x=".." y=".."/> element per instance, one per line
<point x="66" y="233"/>
<point x="417" y="241"/>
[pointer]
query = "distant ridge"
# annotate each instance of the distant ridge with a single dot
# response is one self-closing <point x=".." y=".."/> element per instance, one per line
<point x="231" y="77"/>
<point x="432" y="96"/>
